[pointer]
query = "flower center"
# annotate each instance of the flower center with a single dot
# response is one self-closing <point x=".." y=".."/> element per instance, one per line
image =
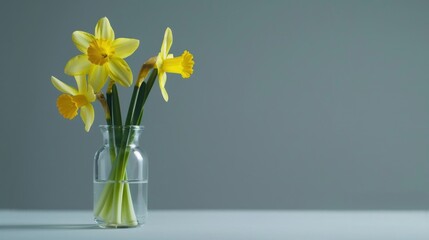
<point x="68" y="105"/>
<point x="181" y="65"/>
<point x="99" y="51"/>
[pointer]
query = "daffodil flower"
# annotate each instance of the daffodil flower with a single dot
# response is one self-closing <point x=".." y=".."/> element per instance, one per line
<point x="72" y="99"/>
<point x="167" y="63"/>
<point x="103" y="56"/>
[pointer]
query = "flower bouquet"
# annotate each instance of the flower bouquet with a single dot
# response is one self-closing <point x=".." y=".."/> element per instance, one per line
<point x="101" y="65"/>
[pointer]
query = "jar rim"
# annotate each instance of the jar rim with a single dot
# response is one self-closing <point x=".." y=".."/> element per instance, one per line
<point x="134" y="127"/>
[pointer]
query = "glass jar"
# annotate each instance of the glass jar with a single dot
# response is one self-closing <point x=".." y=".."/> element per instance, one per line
<point x="120" y="178"/>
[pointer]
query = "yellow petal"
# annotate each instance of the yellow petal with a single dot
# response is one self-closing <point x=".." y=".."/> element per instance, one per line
<point x="166" y="42"/>
<point x="103" y="30"/>
<point x="162" y="79"/>
<point x="87" y="115"/>
<point x="84" y="88"/>
<point x="97" y="76"/>
<point x="124" y="47"/>
<point x="62" y="87"/>
<point x="82" y="40"/>
<point x="159" y="61"/>
<point x="90" y="95"/>
<point x="120" y="72"/>
<point x="81" y="83"/>
<point x="78" y="65"/>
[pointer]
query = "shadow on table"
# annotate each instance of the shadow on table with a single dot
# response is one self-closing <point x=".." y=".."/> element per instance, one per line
<point x="48" y="226"/>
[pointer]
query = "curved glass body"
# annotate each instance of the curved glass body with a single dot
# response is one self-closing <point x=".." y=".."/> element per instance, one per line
<point x="120" y="179"/>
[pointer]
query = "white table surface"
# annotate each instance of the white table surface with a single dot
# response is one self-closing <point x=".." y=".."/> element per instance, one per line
<point x="218" y="225"/>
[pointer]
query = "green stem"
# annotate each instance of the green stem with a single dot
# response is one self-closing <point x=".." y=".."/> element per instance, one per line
<point x="121" y="163"/>
<point x="116" y="203"/>
<point x="103" y="202"/>
<point x="116" y="115"/>
<point x="143" y="97"/>
<point x="150" y="82"/>
<point x="128" y="216"/>
<point x="139" y="104"/>
<point x="132" y="107"/>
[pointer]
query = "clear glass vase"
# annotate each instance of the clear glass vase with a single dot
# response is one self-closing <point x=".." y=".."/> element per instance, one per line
<point x="120" y="179"/>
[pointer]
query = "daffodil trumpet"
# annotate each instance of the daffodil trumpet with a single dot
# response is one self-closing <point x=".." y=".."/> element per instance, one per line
<point x="102" y="61"/>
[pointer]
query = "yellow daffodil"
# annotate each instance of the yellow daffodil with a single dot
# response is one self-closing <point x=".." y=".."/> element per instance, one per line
<point x="103" y="56"/>
<point x="167" y="63"/>
<point x="72" y="99"/>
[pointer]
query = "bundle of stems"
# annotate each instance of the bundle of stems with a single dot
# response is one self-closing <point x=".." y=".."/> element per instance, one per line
<point x="115" y="205"/>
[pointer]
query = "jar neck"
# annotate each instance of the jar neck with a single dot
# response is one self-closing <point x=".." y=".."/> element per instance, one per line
<point x="116" y="135"/>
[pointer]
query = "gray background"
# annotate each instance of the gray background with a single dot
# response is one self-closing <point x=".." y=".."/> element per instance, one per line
<point x="293" y="104"/>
